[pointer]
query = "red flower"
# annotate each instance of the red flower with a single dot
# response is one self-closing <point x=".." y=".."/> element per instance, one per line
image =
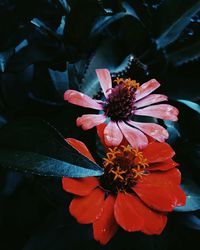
<point x="122" y="103"/>
<point x="137" y="190"/>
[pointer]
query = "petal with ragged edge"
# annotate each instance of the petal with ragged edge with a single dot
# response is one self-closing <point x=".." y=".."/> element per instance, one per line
<point x="86" y="208"/>
<point x="126" y="214"/>
<point x="154" y="130"/>
<point x="105" y="80"/>
<point x="90" y="121"/>
<point x="158" y="198"/>
<point x="154" y="222"/>
<point x="150" y="99"/>
<point x="158" y="152"/>
<point x="80" y="186"/>
<point x="160" y="190"/>
<point x="163" y="166"/>
<point x="146" y="88"/>
<point x="163" y="199"/>
<point x="134" y="136"/>
<point x="165" y="179"/>
<point x="162" y="111"/>
<point x="105" y="226"/>
<point x="82" y="100"/>
<point x="112" y="134"/>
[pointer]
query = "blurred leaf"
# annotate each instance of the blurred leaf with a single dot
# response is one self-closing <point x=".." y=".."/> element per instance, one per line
<point x="59" y="80"/>
<point x="106" y="56"/>
<point x="4" y="57"/>
<point x="173" y="130"/>
<point x="192" y="191"/>
<point x="2" y="121"/>
<point x="191" y="221"/>
<point x="177" y="15"/>
<point x="185" y="55"/>
<point x="34" y="146"/>
<point x="191" y="105"/>
<point x="104" y="21"/>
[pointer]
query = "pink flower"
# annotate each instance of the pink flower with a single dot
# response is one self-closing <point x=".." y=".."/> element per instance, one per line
<point x="122" y="103"/>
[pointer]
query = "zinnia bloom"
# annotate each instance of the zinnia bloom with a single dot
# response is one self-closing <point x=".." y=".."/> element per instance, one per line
<point x="122" y="103"/>
<point x="137" y="190"/>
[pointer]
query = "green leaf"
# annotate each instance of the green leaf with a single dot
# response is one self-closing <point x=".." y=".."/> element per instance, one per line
<point x="185" y="55"/>
<point x="192" y="105"/>
<point x="171" y="19"/>
<point x="192" y="197"/>
<point x="173" y="130"/>
<point x="4" y="57"/>
<point x="106" y="56"/>
<point x="34" y="146"/>
<point x="104" y="21"/>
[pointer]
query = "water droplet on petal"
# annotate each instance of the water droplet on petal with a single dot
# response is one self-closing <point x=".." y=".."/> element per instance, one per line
<point x="154" y="132"/>
<point x="169" y="109"/>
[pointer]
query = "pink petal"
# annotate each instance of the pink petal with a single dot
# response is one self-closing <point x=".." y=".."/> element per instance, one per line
<point x="82" y="100"/>
<point x="150" y="99"/>
<point x="162" y="111"/>
<point x="154" y="130"/>
<point x="90" y="121"/>
<point x="134" y="136"/>
<point x="146" y="88"/>
<point x="105" y="80"/>
<point x="112" y="134"/>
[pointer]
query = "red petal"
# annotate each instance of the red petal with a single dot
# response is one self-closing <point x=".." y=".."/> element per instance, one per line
<point x="85" y="209"/>
<point x="80" y="186"/>
<point x="105" y="226"/>
<point x="100" y="132"/>
<point x="81" y="147"/>
<point x="180" y="195"/>
<point x="82" y="100"/>
<point x="164" y="179"/>
<point x="159" y="198"/>
<point x="126" y="213"/>
<point x="154" y="222"/>
<point x="160" y="190"/>
<point x="157" y="152"/>
<point x="112" y="134"/>
<point x="163" y="166"/>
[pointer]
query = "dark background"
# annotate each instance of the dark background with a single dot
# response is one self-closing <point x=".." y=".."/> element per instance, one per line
<point x="48" y="46"/>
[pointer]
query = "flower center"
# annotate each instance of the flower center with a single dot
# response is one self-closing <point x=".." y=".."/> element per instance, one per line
<point x="120" y="102"/>
<point x="123" y="168"/>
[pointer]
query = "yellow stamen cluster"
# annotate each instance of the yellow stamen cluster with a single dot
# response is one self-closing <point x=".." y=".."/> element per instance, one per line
<point x="128" y="83"/>
<point x="124" y="167"/>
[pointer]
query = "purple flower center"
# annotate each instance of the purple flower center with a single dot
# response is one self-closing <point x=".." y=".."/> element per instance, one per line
<point x="120" y="103"/>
